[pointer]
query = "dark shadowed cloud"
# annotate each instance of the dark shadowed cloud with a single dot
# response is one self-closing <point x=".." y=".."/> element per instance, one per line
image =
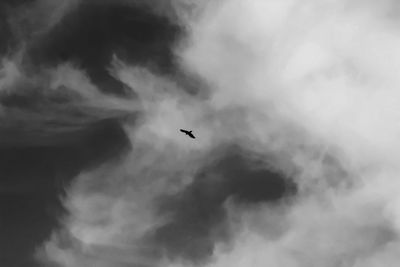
<point x="197" y="215"/>
<point x="49" y="136"/>
<point x="93" y="32"/>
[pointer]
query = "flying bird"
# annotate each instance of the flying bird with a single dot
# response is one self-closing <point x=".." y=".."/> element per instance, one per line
<point x="189" y="133"/>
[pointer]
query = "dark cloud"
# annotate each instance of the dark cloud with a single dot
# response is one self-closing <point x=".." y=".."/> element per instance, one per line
<point x="7" y="39"/>
<point x="90" y="34"/>
<point x="33" y="179"/>
<point x="197" y="217"/>
<point x="49" y="136"/>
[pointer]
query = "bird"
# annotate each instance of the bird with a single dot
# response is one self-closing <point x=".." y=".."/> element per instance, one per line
<point x="189" y="133"/>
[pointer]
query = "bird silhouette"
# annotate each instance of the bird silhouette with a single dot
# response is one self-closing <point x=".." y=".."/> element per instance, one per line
<point x="189" y="133"/>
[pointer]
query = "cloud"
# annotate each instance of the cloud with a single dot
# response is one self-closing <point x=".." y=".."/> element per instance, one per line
<point x="307" y="90"/>
<point x="321" y="67"/>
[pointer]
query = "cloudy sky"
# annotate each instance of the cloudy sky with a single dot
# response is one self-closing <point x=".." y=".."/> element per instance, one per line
<point x="295" y="105"/>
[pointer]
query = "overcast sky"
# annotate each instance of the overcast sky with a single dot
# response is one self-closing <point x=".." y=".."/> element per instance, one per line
<point x="295" y="105"/>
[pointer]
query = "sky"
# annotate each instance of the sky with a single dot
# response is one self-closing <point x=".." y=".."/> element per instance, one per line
<point x="295" y="109"/>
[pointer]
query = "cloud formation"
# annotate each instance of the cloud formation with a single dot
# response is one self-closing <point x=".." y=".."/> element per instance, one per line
<point x="296" y="112"/>
<point x="327" y="69"/>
